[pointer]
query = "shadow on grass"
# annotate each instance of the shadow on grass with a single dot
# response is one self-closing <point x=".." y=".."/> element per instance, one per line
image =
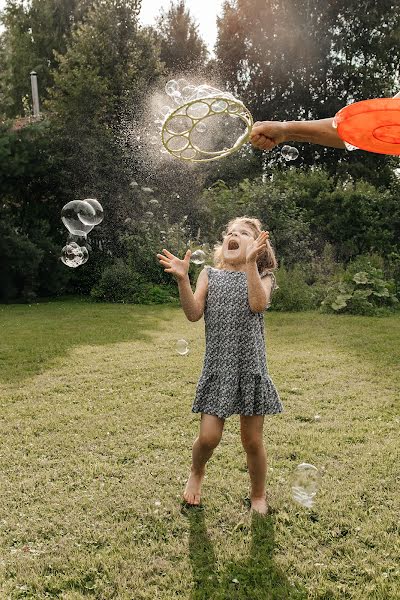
<point x="32" y="336"/>
<point x="255" y="578"/>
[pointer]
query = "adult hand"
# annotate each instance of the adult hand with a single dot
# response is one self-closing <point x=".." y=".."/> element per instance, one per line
<point x="265" y="135"/>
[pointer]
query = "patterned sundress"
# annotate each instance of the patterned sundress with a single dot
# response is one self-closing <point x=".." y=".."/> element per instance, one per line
<point x="234" y="378"/>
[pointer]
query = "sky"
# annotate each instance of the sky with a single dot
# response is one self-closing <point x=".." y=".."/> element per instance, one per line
<point x="204" y="13"/>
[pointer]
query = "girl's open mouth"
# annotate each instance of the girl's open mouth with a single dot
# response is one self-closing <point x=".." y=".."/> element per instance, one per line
<point x="233" y="245"/>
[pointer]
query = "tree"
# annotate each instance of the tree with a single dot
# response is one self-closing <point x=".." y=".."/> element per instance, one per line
<point x="305" y="59"/>
<point x="34" y="32"/>
<point x="182" y="49"/>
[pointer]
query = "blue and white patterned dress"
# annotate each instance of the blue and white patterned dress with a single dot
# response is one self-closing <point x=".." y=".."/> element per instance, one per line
<point x="234" y="379"/>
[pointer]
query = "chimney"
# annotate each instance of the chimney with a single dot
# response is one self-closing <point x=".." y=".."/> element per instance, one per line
<point x="35" y="95"/>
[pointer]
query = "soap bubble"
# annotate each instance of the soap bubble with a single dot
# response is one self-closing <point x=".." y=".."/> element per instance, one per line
<point x="188" y="92"/>
<point x="99" y="213"/>
<point x="317" y="417"/>
<point x="153" y="140"/>
<point x="305" y="484"/>
<point x="198" y="110"/>
<point x="179" y="124"/>
<point x="219" y="106"/>
<point x="171" y="87"/>
<point x="201" y="127"/>
<point x="78" y="217"/>
<point x="350" y="147"/>
<point x="153" y="201"/>
<point x="182" y="347"/>
<point x="198" y="257"/>
<point x="74" y="255"/>
<point x="181" y="83"/>
<point x="188" y="153"/>
<point x="177" y="143"/>
<point x="165" y="110"/>
<point x="289" y="153"/>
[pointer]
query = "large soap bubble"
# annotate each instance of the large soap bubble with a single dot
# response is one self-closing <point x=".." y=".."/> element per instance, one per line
<point x="78" y="217"/>
<point x="74" y="255"/>
<point x="99" y="213"/>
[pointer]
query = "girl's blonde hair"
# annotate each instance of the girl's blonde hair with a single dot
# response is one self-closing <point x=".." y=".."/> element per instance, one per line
<point x="266" y="262"/>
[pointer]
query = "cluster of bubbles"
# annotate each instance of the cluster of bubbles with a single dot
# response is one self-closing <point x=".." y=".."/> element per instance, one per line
<point x="289" y="153"/>
<point x="79" y="217"/>
<point x="201" y="109"/>
<point x="305" y="481"/>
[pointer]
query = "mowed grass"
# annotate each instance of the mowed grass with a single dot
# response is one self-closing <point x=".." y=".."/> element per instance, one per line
<point x="96" y="436"/>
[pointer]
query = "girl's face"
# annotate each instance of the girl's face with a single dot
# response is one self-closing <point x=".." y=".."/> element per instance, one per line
<point x="235" y="243"/>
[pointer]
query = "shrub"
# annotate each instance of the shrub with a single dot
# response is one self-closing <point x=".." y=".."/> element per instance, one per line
<point x="294" y="294"/>
<point x="361" y="292"/>
<point x="119" y="283"/>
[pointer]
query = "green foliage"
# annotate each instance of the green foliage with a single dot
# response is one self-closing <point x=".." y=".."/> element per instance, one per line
<point x="119" y="283"/>
<point x="293" y="294"/>
<point x="181" y="47"/>
<point x="362" y="290"/>
<point x="315" y="57"/>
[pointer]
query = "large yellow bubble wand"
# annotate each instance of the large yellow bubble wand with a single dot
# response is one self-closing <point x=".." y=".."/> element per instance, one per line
<point x="198" y="107"/>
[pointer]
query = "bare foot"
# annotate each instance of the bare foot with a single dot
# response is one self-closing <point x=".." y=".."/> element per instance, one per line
<point x="259" y="505"/>
<point x="191" y="494"/>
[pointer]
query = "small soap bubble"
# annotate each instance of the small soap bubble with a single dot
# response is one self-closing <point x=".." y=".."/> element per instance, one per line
<point x="289" y="153"/>
<point x="153" y="201"/>
<point x="188" y="92"/>
<point x="182" y="347"/>
<point x="201" y="127"/>
<point x="153" y="140"/>
<point x="219" y="106"/>
<point x="198" y="110"/>
<point x="198" y="257"/>
<point x="177" y="143"/>
<point x="305" y="484"/>
<point x="171" y="86"/>
<point x="165" y="110"/>
<point x="181" y="83"/>
<point x="74" y="255"/>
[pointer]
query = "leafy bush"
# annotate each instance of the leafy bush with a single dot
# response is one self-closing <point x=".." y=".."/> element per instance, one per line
<point x="294" y="294"/>
<point x="119" y="283"/>
<point x="362" y="290"/>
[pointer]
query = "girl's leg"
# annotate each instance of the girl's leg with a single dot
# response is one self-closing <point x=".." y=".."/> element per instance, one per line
<point x="211" y="428"/>
<point x="251" y="431"/>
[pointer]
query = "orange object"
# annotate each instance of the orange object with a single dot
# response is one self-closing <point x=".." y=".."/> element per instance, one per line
<point x="372" y="125"/>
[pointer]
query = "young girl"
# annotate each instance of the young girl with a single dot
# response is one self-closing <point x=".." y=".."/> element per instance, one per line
<point x="234" y="379"/>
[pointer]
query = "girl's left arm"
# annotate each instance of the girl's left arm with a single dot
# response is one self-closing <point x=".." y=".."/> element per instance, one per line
<point x="259" y="290"/>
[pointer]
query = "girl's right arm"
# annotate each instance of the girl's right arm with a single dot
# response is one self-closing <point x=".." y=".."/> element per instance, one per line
<point x="192" y="304"/>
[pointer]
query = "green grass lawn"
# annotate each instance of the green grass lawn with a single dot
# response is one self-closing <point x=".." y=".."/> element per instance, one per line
<point x="96" y="436"/>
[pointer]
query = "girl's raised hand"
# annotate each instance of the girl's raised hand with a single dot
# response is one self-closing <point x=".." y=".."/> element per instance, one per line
<point x="255" y="248"/>
<point x="174" y="265"/>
